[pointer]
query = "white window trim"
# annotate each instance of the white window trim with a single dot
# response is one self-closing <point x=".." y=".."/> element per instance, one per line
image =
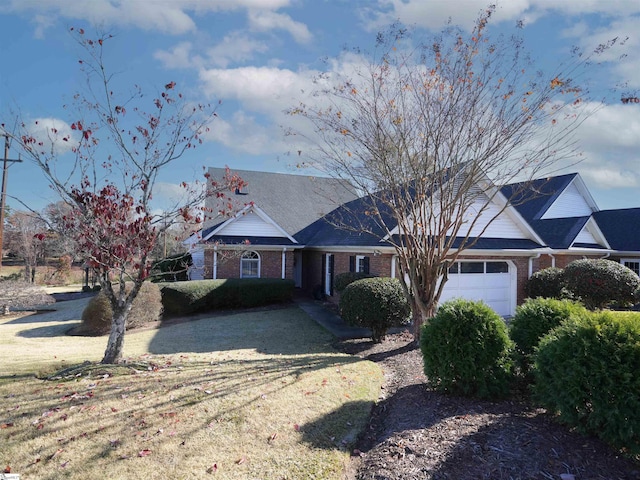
<point x="630" y="260"/>
<point x="358" y="258"/>
<point x="251" y="259"/>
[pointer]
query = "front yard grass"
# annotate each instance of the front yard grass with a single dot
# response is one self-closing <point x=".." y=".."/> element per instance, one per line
<point x="248" y="395"/>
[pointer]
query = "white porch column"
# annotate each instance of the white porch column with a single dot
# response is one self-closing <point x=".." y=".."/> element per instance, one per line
<point x="284" y="260"/>
<point x="215" y="263"/>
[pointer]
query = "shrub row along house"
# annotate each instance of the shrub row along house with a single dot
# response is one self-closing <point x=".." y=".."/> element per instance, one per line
<point x="286" y="227"/>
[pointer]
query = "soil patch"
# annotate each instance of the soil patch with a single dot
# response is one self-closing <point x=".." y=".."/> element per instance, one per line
<point x="417" y="433"/>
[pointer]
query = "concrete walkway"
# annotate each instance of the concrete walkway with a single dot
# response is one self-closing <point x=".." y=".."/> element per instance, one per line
<point x="330" y="321"/>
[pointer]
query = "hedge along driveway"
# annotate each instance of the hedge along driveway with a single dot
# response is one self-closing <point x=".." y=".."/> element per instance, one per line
<point x="248" y="395"/>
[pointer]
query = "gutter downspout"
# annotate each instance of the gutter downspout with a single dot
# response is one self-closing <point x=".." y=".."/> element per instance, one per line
<point x="531" y="259"/>
<point x="553" y="260"/>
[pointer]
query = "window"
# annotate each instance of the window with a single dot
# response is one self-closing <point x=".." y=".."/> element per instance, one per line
<point x="359" y="263"/>
<point x="250" y="265"/>
<point x="362" y="264"/>
<point x="632" y="263"/>
<point x="471" y="267"/>
<point x="479" y="267"/>
<point x="497" y="267"/>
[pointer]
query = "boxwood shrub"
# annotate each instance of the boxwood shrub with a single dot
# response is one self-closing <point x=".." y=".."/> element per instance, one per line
<point x="184" y="298"/>
<point x="547" y="283"/>
<point x="375" y="303"/>
<point x="600" y="282"/>
<point x="586" y="371"/>
<point x="342" y="280"/>
<point x="534" y="319"/>
<point x="146" y="307"/>
<point x="466" y="350"/>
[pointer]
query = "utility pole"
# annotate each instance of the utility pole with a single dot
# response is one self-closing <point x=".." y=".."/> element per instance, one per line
<point x="3" y="197"/>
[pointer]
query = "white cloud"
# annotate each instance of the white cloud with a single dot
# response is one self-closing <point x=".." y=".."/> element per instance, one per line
<point x="611" y="178"/>
<point x="51" y="132"/>
<point x="610" y="140"/>
<point x="265" y="20"/>
<point x="234" y="48"/>
<point x="169" y="16"/>
<point x="435" y="14"/>
<point x="178" y="57"/>
<point x="263" y="89"/>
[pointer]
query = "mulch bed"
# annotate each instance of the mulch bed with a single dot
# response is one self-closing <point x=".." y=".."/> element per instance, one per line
<point x="417" y="433"/>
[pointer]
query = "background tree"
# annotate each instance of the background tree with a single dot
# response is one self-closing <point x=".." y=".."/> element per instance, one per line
<point x="60" y="241"/>
<point x="119" y="145"/>
<point x="429" y="129"/>
<point x="25" y="234"/>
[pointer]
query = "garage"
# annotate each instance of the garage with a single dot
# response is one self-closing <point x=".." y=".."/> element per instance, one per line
<point x="494" y="282"/>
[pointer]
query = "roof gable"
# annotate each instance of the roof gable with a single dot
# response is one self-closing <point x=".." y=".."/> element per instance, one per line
<point x="532" y="199"/>
<point x="293" y="202"/>
<point x="590" y="235"/>
<point x="251" y="221"/>
<point x="574" y="201"/>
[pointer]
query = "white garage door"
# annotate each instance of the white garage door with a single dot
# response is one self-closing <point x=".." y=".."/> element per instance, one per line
<point x="492" y="282"/>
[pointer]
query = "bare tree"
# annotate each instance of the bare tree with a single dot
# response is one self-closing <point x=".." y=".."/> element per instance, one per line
<point x="117" y="145"/>
<point x="59" y="241"/>
<point x="430" y="129"/>
<point x="24" y="238"/>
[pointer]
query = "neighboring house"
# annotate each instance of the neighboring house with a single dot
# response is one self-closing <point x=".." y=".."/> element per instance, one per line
<point x="286" y="228"/>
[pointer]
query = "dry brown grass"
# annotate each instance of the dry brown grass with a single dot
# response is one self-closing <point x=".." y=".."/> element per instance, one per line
<point x="252" y="395"/>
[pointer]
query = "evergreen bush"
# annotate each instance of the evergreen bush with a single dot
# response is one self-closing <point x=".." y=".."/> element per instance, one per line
<point x="184" y="298"/>
<point x="534" y="319"/>
<point x="586" y="371"/>
<point x="466" y="350"/>
<point x="146" y="307"/>
<point x="342" y="280"/>
<point x="600" y="282"/>
<point x="547" y="283"/>
<point x="375" y="303"/>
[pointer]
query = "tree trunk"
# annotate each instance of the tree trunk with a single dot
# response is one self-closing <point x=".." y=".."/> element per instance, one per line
<point x="421" y="315"/>
<point x="113" y="353"/>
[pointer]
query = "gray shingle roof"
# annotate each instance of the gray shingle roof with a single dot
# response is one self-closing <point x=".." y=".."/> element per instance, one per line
<point x="292" y="201"/>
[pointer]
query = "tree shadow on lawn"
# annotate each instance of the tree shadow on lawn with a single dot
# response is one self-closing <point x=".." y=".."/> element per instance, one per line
<point x="164" y="398"/>
<point x="287" y="331"/>
<point x="337" y="429"/>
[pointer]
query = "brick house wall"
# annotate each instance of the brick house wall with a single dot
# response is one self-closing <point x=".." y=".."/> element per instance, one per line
<point x="229" y="264"/>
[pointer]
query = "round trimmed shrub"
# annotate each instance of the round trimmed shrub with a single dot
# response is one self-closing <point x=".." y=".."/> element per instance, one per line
<point x="343" y="280"/>
<point x="547" y="283"/>
<point x="586" y="371"/>
<point x="600" y="282"/>
<point x="534" y="319"/>
<point x="466" y="350"/>
<point x="375" y="303"/>
<point x="146" y="307"/>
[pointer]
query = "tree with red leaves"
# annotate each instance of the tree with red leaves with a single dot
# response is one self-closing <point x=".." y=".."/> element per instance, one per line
<point x="118" y="149"/>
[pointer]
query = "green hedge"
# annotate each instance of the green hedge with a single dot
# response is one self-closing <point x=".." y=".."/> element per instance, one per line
<point x="466" y="350"/>
<point x="586" y="371"/>
<point x="184" y="298"/>
<point x="375" y="303"/>
<point x="600" y="282"/>
<point x="343" y="280"/>
<point x="534" y="319"/>
<point x="547" y="283"/>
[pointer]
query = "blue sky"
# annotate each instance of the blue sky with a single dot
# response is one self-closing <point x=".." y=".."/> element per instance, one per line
<point x="256" y="56"/>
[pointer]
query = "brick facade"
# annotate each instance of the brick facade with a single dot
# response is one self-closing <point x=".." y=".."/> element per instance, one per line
<point x="228" y="265"/>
